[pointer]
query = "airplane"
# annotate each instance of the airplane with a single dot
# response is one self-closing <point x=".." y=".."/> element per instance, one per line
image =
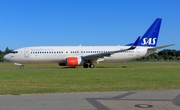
<point x="84" y="55"/>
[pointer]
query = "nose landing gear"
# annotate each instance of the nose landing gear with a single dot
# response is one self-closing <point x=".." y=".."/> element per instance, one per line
<point x="22" y="67"/>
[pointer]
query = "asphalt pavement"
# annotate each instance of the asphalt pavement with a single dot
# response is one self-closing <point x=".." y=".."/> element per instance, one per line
<point x="134" y="100"/>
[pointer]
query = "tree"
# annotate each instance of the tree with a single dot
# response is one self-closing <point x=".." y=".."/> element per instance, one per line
<point x="8" y="50"/>
<point x="166" y="54"/>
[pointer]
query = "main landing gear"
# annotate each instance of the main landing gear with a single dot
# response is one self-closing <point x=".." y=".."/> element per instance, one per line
<point x="90" y="65"/>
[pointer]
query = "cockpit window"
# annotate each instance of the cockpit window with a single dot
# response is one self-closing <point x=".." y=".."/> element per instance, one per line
<point x="14" y="52"/>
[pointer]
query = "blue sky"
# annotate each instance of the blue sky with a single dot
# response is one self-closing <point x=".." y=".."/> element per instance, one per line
<point x="25" y="23"/>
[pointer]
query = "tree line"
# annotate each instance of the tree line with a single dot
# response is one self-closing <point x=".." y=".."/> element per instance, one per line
<point x="7" y="50"/>
<point x="163" y="55"/>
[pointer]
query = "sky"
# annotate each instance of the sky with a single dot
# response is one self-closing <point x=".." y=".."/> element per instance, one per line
<point x="25" y="23"/>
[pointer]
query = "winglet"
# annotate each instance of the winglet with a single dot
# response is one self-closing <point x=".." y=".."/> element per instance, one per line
<point x="134" y="44"/>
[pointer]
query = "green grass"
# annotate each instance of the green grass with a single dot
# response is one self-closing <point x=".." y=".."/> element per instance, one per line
<point x="50" y="78"/>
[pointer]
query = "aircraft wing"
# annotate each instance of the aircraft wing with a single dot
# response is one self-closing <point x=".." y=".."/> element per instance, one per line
<point x="155" y="48"/>
<point x="108" y="54"/>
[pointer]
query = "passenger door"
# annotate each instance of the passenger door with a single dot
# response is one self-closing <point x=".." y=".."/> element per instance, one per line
<point x="26" y="52"/>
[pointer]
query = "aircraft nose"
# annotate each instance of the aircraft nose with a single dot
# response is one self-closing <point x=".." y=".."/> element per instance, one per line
<point x="6" y="57"/>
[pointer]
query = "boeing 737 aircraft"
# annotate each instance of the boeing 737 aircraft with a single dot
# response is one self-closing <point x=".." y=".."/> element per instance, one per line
<point x="84" y="55"/>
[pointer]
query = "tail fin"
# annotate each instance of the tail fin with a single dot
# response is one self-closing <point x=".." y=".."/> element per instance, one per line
<point x="150" y="38"/>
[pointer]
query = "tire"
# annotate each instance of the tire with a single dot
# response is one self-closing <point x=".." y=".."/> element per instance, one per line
<point x="91" y="66"/>
<point x="85" y="65"/>
<point x="21" y="67"/>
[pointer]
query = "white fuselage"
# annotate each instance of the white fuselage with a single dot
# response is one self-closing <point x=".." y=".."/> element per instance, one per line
<point x="58" y="54"/>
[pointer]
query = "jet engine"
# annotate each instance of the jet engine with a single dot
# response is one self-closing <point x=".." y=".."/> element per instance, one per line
<point x="74" y="61"/>
<point x="62" y="64"/>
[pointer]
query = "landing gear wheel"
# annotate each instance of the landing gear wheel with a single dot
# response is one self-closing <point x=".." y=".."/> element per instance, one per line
<point x="22" y="67"/>
<point x="91" y="66"/>
<point x="85" y="65"/>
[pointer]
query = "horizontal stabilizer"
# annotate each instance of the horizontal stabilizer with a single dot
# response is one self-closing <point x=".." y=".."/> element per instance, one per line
<point x="160" y="47"/>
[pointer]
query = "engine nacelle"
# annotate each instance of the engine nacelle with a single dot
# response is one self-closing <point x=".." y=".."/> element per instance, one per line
<point x="74" y="61"/>
<point x="62" y="64"/>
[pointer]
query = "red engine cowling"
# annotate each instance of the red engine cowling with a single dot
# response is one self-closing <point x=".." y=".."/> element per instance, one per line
<point x="74" y="61"/>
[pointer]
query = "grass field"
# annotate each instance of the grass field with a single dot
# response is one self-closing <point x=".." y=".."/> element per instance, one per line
<point x="51" y="78"/>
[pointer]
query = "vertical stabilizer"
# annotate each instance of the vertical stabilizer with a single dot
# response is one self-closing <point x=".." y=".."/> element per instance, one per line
<point x="150" y="38"/>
